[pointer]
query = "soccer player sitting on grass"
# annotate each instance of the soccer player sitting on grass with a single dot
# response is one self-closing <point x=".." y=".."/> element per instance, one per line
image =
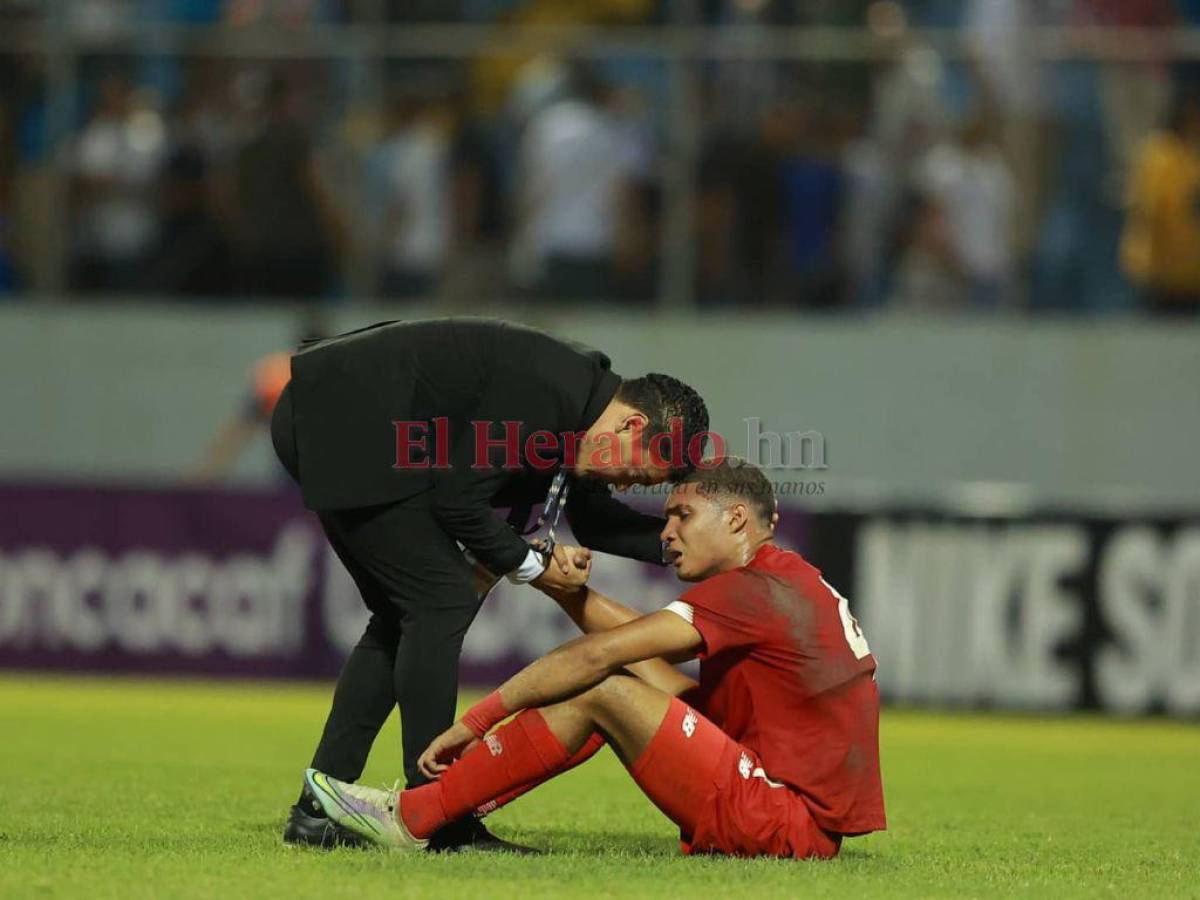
<point x="774" y="752"/>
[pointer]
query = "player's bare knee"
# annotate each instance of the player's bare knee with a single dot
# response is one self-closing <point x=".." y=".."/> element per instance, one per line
<point x="568" y="715"/>
<point x="610" y="694"/>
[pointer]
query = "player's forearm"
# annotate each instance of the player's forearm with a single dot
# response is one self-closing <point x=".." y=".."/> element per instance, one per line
<point x="658" y="673"/>
<point x="593" y="611"/>
<point x="559" y="675"/>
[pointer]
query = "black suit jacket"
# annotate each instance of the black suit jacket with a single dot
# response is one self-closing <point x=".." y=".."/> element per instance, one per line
<point x="349" y="391"/>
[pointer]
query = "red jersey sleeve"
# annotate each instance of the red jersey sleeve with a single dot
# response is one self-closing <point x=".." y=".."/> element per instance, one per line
<point x="723" y="612"/>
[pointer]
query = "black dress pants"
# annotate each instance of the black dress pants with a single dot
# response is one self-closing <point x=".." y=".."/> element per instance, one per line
<point x="419" y="588"/>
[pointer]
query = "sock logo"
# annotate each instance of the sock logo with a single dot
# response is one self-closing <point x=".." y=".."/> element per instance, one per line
<point x="759" y="773"/>
<point x="493" y="744"/>
<point x="745" y="765"/>
<point x="689" y="723"/>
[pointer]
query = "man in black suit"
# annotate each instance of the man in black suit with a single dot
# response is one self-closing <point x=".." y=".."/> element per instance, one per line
<point x="403" y="438"/>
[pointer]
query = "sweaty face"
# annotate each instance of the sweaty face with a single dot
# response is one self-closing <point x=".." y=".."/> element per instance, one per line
<point x="697" y="538"/>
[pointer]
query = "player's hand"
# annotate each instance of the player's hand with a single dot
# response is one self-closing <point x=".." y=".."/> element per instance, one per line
<point x="565" y="556"/>
<point x="568" y="569"/>
<point x="445" y="749"/>
<point x="570" y="559"/>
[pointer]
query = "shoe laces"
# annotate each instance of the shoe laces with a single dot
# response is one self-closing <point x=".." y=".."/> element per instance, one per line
<point x="393" y="793"/>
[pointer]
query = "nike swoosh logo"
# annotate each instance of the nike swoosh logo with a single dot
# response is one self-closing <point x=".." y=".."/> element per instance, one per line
<point x="336" y="797"/>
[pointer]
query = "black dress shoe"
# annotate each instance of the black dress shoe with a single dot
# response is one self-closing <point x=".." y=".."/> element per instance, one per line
<point x="470" y="833"/>
<point x="303" y="830"/>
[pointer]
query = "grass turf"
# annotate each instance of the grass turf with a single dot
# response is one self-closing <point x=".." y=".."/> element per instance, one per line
<point x="122" y="788"/>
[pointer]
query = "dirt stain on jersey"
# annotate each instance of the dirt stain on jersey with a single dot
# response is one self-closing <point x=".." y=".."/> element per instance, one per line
<point x="817" y="668"/>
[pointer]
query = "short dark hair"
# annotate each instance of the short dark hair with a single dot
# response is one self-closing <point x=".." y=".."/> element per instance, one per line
<point x="664" y="399"/>
<point x="737" y="479"/>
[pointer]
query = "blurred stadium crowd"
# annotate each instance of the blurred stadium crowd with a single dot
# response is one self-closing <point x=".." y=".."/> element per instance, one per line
<point x="900" y="174"/>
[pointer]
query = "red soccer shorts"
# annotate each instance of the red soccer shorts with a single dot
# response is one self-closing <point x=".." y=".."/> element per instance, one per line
<point x="715" y="790"/>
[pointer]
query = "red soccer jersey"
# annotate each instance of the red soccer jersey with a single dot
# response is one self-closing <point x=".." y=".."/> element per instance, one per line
<point x="785" y="671"/>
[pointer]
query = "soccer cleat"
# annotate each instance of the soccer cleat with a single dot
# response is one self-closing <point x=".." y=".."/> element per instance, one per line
<point x="470" y="834"/>
<point x="369" y="812"/>
<point x="308" y="826"/>
<point x="303" y="830"/>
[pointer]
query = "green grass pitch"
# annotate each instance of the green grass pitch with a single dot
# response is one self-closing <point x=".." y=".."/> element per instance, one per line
<point x="130" y="788"/>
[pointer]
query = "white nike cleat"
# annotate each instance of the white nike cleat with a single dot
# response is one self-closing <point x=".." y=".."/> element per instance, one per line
<point x="370" y="812"/>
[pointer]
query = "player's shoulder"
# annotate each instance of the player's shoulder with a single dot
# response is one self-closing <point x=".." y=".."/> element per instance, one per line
<point x="755" y="579"/>
<point x="718" y="582"/>
<point x="712" y="591"/>
<point x="789" y="572"/>
<point x="780" y="562"/>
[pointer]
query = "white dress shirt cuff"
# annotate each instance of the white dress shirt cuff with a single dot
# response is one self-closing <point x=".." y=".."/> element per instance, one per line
<point x="531" y="567"/>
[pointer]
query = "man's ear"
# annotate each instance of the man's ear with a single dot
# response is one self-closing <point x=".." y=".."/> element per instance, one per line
<point x="634" y="421"/>
<point x="739" y="516"/>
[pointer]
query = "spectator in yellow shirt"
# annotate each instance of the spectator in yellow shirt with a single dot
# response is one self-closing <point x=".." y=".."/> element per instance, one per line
<point x="1160" y="249"/>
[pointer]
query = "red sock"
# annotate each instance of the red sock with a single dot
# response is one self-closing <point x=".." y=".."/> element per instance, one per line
<point x="590" y="748"/>
<point x="520" y="752"/>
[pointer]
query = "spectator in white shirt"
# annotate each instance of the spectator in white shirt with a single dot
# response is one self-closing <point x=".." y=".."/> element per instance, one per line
<point x="410" y="177"/>
<point x="117" y="162"/>
<point x="574" y="172"/>
<point x="972" y="185"/>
